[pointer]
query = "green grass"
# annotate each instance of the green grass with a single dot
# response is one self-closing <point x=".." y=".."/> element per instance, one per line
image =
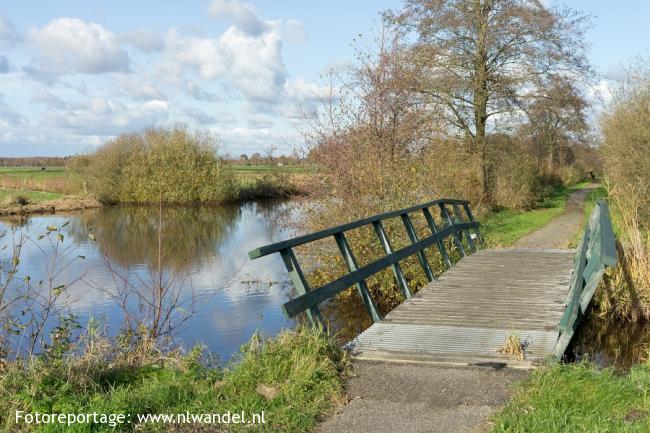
<point x="302" y="368"/>
<point x="272" y="168"/>
<point x="578" y="398"/>
<point x="34" y="197"/>
<point x="35" y="173"/>
<point x="503" y="228"/>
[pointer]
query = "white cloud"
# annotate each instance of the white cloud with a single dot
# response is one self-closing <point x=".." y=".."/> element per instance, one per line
<point x="70" y="46"/>
<point x="197" y="92"/>
<point x="8" y="33"/>
<point x="242" y="15"/>
<point x="101" y="116"/>
<point x="199" y="116"/>
<point x="144" y="40"/>
<point x="139" y="88"/>
<point x="253" y="64"/>
<point x="46" y="97"/>
<point x="4" y="64"/>
<point x="9" y="117"/>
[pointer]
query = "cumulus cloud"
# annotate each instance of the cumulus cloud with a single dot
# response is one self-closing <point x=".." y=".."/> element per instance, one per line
<point x="199" y="116"/>
<point x="242" y="15"/>
<point x="46" y="97"/>
<point x="70" y="46"/>
<point x="4" y="64"/>
<point x="9" y="117"/>
<point x="252" y="64"/>
<point x="8" y="33"/>
<point x="102" y="116"/>
<point x="197" y="92"/>
<point x="138" y="88"/>
<point x="145" y="40"/>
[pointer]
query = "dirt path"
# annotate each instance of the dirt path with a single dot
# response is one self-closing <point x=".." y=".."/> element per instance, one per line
<point x="412" y="398"/>
<point x="559" y="232"/>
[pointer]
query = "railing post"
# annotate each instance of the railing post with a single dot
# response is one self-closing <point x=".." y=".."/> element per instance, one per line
<point x="468" y="235"/>
<point x="434" y="230"/>
<point x="299" y="282"/>
<point x="468" y="211"/>
<point x="362" y="287"/>
<point x="397" y="269"/>
<point x="414" y="238"/>
<point x="445" y="216"/>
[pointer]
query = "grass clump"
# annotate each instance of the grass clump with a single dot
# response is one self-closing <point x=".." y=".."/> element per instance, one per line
<point x="574" y="398"/>
<point x="302" y="370"/>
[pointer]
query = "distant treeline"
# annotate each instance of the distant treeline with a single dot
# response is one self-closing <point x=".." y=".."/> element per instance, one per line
<point x="35" y="161"/>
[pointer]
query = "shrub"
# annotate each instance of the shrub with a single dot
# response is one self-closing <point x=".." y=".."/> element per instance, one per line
<point x="168" y="165"/>
<point x="626" y="153"/>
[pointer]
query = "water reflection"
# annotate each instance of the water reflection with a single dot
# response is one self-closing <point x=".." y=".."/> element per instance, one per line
<point x="610" y="343"/>
<point x="234" y="296"/>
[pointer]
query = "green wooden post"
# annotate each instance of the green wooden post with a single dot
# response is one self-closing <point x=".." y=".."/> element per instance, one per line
<point x="468" y="211"/>
<point x="299" y="282"/>
<point x="434" y="230"/>
<point x="414" y="238"/>
<point x="397" y="269"/>
<point x="445" y="216"/>
<point x="468" y="235"/>
<point x="362" y="287"/>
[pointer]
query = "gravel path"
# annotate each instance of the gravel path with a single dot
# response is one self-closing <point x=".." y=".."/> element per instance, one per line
<point x="558" y="233"/>
<point x="413" y="398"/>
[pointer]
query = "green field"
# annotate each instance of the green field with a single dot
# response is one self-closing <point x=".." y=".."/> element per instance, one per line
<point x="32" y="172"/>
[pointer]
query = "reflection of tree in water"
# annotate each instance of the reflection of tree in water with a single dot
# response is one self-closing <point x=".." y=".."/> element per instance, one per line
<point x="611" y="343"/>
<point x="130" y="235"/>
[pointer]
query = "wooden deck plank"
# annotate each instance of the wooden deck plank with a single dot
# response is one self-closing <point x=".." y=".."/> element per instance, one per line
<point x="466" y="315"/>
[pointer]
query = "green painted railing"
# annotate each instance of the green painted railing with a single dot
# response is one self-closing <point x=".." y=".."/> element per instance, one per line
<point x="457" y="223"/>
<point x="597" y="250"/>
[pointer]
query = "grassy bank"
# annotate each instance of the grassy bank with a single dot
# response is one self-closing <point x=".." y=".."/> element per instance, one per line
<point x="294" y="379"/>
<point x="23" y="196"/>
<point x="578" y="398"/>
<point x="503" y="228"/>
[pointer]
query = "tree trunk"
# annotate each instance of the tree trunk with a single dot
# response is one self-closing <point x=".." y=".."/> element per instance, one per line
<point x="481" y="101"/>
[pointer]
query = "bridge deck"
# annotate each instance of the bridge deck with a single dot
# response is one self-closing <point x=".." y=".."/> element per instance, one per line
<point x="466" y="316"/>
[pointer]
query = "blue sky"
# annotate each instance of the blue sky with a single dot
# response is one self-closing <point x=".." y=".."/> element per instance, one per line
<point x="75" y="73"/>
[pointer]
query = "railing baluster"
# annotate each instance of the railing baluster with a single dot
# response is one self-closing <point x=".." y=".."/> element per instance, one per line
<point x="468" y="211"/>
<point x="299" y="282"/>
<point x="397" y="269"/>
<point x="434" y="230"/>
<point x="445" y="216"/>
<point x="468" y="235"/>
<point x="414" y="238"/>
<point x="362" y="287"/>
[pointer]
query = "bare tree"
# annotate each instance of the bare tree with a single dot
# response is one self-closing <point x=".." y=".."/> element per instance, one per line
<point x="479" y="60"/>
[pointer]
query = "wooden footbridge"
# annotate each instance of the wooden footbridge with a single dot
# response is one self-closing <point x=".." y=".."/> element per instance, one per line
<point x="515" y="307"/>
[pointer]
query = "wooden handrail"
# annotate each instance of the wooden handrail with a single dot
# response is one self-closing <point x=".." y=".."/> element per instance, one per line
<point x="308" y="299"/>
<point x="597" y="251"/>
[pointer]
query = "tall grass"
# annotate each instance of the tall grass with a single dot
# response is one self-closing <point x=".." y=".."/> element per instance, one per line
<point x="626" y="152"/>
<point x="294" y="378"/>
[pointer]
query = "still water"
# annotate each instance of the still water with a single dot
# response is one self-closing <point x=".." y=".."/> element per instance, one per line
<point x="203" y="250"/>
